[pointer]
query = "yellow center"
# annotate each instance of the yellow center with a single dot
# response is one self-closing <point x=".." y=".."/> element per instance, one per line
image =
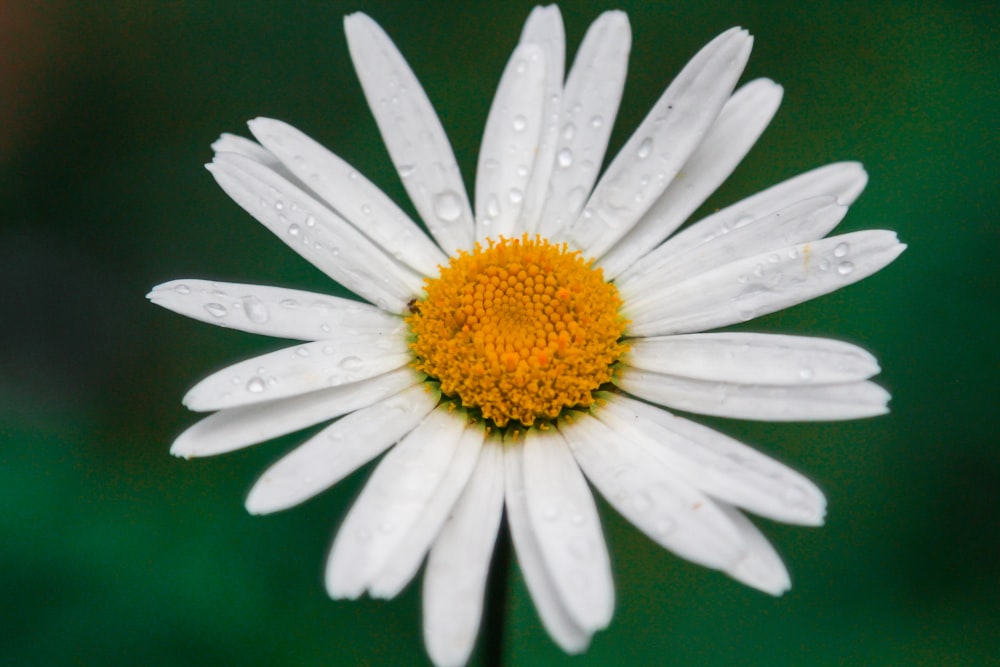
<point x="519" y="330"/>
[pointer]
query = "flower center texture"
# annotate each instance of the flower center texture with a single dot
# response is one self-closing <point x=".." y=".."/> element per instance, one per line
<point x="519" y="330"/>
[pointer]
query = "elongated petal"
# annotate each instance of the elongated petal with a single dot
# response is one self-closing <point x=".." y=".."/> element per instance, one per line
<point x="318" y="234"/>
<point x="661" y="145"/>
<point x="230" y="143"/>
<point x="761" y="568"/>
<point x="274" y="311"/>
<point x="459" y="563"/>
<point x="298" y="370"/>
<point x="755" y="286"/>
<point x="753" y="401"/>
<point x="719" y="465"/>
<point x="843" y="180"/>
<point x="351" y="195"/>
<point x="339" y="450"/>
<point x="590" y="103"/>
<point x="405" y="560"/>
<point x="544" y="28"/>
<point x="392" y="502"/>
<point x="558" y="622"/>
<point x="805" y="221"/>
<point x="652" y="496"/>
<point x="751" y="358"/>
<point x="240" y="427"/>
<point x="412" y="133"/>
<point x="739" y="125"/>
<point x="510" y="144"/>
<point x="568" y="530"/>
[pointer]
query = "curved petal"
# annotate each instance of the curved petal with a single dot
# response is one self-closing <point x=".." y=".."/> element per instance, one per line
<point x="829" y="402"/>
<point x="658" y="149"/>
<point x="807" y="220"/>
<point x="412" y="133"/>
<point x="274" y="311"/>
<point x="407" y="557"/>
<point x="235" y="428"/>
<point x="590" y="103"/>
<point x="351" y="195"/>
<point x="564" y="517"/>
<point x="761" y="568"/>
<point x="298" y="370"/>
<point x="739" y="125"/>
<point x="459" y="563"/>
<point x="231" y="143"/>
<point x="717" y="464"/>
<point x="652" y="496"/>
<point x="561" y="626"/>
<point x="755" y="286"/>
<point x="843" y="180"/>
<point x="752" y="358"/>
<point x="318" y="234"/>
<point x="392" y="502"/>
<point x="339" y="450"/>
<point x="510" y="144"/>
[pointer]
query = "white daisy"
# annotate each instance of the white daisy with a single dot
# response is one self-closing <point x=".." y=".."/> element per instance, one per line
<point x="526" y="348"/>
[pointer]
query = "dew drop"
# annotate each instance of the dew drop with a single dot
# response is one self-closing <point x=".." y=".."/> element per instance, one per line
<point x="302" y="351"/>
<point x="519" y="123"/>
<point x="255" y="310"/>
<point x="493" y="206"/>
<point x="665" y="526"/>
<point x="216" y="309"/>
<point x="806" y="374"/>
<point x="182" y="289"/>
<point x="405" y="170"/>
<point x="569" y="131"/>
<point x="645" y="148"/>
<point x="366" y="209"/>
<point x="565" y="158"/>
<point x="521" y="66"/>
<point x="447" y="206"/>
<point x="279" y="205"/>
<point x="515" y="196"/>
<point x="288" y="303"/>
<point x="596" y="122"/>
<point x="294" y="230"/>
<point x="256" y="385"/>
<point x="350" y="363"/>
<point x="841" y="250"/>
<point x="845" y="268"/>
<point x="550" y="513"/>
<point x="310" y="221"/>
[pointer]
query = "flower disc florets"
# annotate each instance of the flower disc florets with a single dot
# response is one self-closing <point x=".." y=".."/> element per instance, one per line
<point x="519" y="330"/>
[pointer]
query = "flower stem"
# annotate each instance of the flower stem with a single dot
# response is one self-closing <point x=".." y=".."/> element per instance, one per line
<point x="496" y="600"/>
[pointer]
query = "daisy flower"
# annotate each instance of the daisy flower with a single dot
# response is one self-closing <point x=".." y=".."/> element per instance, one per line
<point x="534" y="341"/>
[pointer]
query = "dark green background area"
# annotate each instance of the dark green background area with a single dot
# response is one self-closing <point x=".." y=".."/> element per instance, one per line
<point x="114" y="553"/>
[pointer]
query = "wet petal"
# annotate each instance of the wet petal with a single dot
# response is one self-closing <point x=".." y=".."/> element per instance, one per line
<point x="392" y="502"/>
<point x="658" y="149"/>
<point x="273" y="311"/>
<point x="318" y="234"/>
<point x="752" y="358"/>
<point x="652" y="496"/>
<point x="568" y="530"/>
<point x="762" y="567"/>
<point x="459" y="563"/>
<point x="351" y="195"/>
<point x="739" y="125"/>
<point x="247" y="425"/>
<point x="412" y="133"/>
<point x="755" y="286"/>
<point x="339" y="450"/>
<point x="298" y="370"/>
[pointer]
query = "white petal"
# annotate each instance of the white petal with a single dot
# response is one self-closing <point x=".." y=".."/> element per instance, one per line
<point x="351" y="195"/>
<point x="339" y="450"/>
<point x="843" y="180"/>
<point x="804" y="221"/>
<point x="318" y="234"/>
<point x="405" y="560"/>
<point x="299" y="369"/>
<point x="590" y="103"/>
<point x="230" y="143"/>
<point x="761" y="568"/>
<point x="659" y="147"/>
<point x="755" y="286"/>
<point x="752" y="358"/>
<point x="392" y="502"/>
<point x="459" y="563"/>
<point x="510" y="144"/>
<point x="717" y="464"/>
<point x="739" y="125"/>
<point x="544" y="28"/>
<point x="274" y="311"/>
<point x="412" y="133"/>
<point x="760" y="402"/>
<point x="652" y="496"/>
<point x="240" y="427"/>
<point x="560" y="625"/>
<point x="568" y="530"/>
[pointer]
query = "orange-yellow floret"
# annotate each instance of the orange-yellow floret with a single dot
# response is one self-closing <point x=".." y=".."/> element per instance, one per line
<point x="521" y="330"/>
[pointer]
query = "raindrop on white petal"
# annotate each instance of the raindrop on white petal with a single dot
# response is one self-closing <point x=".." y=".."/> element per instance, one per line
<point x="350" y="363"/>
<point x="288" y="303"/>
<point x="596" y="122"/>
<point x="520" y="66"/>
<point x="645" y="148"/>
<point x="256" y="385"/>
<point x="515" y="196"/>
<point x="806" y="373"/>
<point x="569" y="131"/>
<point x="216" y="309"/>
<point x="182" y="289"/>
<point x="302" y="351"/>
<point x="294" y="230"/>
<point x="845" y="268"/>
<point x="405" y="170"/>
<point x="310" y="221"/>
<point x="493" y="206"/>
<point x="255" y="310"/>
<point x="447" y="206"/>
<point x="841" y="250"/>
<point x="519" y="123"/>
<point x="550" y="513"/>
<point x="665" y="526"/>
<point x="565" y="158"/>
<point x="279" y="205"/>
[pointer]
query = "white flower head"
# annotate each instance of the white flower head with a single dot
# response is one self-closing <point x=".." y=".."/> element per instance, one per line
<point x="527" y="344"/>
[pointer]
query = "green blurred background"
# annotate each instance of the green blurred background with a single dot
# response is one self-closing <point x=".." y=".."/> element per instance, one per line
<point x="115" y="553"/>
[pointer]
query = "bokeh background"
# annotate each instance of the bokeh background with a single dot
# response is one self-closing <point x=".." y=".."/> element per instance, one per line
<point x="114" y="553"/>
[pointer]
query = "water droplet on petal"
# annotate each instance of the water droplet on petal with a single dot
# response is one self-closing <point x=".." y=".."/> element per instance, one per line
<point x="841" y="250"/>
<point x="665" y="526"/>
<point x="182" y="289"/>
<point x="289" y="303"/>
<point x="294" y="230"/>
<point x="256" y="385"/>
<point x="845" y="268"/>
<point x="310" y="221"/>
<point x="519" y="123"/>
<point x="447" y="206"/>
<point x="255" y="310"/>
<point x="350" y="363"/>
<point x="493" y="206"/>
<point x="550" y="513"/>
<point x="302" y="351"/>
<point x="645" y="148"/>
<point x="596" y="122"/>
<point x="565" y="158"/>
<point x="515" y="196"/>
<point x="405" y="170"/>
<point x="569" y="131"/>
<point x="806" y="373"/>
<point x="216" y="309"/>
